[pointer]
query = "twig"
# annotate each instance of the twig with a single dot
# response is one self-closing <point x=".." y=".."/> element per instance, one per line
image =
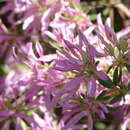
<point x="111" y="14"/>
<point x="124" y="9"/>
<point x="87" y="6"/>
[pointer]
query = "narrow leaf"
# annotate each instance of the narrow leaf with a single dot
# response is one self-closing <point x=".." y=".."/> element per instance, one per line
<point x="115" y="76"/>
<point x="128" y="87"/>
<point x="116" y="99"/>
<point x="101" y="94"/>
<point x="128" y="68"/>
<point x="106" y="83"/>
<point x="106" y="99"/>
<point x="112" y="109"/>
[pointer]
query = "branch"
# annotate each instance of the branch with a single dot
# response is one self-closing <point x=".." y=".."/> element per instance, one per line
<point x="124" y="9"/>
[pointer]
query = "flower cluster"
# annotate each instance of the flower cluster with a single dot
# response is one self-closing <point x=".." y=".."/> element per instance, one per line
<point x="60" y="71"/>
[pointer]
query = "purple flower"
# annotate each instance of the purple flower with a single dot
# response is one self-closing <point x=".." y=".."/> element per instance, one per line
<point x="77" y="108"/>
<point x="80" y="60"/>
<point x="111" y="41"/>
<point x="15" y="113"/>
<point x="47" y="122"/>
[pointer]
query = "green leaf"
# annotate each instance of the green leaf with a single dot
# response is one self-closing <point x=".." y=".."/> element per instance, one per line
<point x="124" y="47"/>
<point x="106" y="83"/>
<point x="128" y="68"/>
<point x="85" y="59"/>
<point x="128" y="128"/>
<point x="54" y="44"/>
<point x="3" y="70"/>
<point x="103" y="98"/>
<point x="120" y="74"/>
<point x="128" y="87"/>
<point x="101" y="94"/>
<point x="106" y="11"/>
<point x="93" y="17"/>
<point x="112" y="109"/>
<point x="77" y="6"/>
<point x="117" y="75"/>
<point x="116" y="99"/>
<point x="106" y="99"/>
